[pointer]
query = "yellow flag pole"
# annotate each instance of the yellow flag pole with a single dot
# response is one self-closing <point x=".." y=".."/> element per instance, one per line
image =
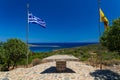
<point x="99" y="18"/>
<point x="99" y="34"/>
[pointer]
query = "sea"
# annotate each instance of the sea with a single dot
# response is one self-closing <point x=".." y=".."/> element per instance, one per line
<point x="48" y="47"/>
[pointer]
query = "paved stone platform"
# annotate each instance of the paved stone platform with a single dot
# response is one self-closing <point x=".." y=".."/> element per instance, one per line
<point x="46" y="71"/>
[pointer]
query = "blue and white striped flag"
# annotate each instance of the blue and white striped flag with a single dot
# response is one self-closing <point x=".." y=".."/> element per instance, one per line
<point x="34" y="19"/>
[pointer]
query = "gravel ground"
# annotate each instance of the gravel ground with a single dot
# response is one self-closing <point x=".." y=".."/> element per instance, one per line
<point x="47" y="71"/>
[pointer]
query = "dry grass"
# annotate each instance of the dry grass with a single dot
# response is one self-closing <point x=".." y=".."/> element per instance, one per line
<point x="36" y="61"/>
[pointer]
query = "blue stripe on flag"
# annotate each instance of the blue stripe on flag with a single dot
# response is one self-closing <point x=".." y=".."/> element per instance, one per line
<point x="34" y="19"/>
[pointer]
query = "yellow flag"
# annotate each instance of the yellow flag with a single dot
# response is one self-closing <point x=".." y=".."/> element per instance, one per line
<point x="101" y="15"/>
<point x="103" y="19"/>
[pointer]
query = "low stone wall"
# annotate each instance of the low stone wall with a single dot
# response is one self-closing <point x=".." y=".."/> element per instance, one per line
<point x="60" y="66"/>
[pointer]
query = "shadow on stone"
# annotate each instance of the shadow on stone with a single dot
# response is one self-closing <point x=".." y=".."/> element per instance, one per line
<point x="105" y="75"/>
<point x="53" y="70"/>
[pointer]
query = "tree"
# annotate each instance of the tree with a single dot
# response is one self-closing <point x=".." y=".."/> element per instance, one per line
<point x="1" y="52"/>
<point x="111" y="37"/>
<point x="15" y="50"/>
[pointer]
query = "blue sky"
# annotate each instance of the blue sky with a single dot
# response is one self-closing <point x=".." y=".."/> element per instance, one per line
<point x="67" y="20"/>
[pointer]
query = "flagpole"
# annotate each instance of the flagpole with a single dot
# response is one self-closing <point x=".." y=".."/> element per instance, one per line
<point x="27" y="35"/>
<point x="99" y="34"/>
<point x="99" y="18"/>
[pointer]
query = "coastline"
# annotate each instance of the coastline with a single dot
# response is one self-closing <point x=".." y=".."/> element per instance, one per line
<point x="47" y="47"/>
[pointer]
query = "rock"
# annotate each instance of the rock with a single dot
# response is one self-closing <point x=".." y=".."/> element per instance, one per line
<point x="97" y="78"/>
<point x="5" y="78"/>
<point x="66" y="78"/>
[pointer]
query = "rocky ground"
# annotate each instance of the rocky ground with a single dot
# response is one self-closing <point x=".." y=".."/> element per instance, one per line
<point x="47" y="71"/>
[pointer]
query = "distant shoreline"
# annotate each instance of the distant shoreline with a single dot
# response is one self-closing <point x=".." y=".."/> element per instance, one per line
<point x="31" y="45"/>
<point x="47" y="47"/>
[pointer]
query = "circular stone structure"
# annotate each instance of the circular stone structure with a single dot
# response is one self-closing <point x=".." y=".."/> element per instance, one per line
<point x="61" y="61"/>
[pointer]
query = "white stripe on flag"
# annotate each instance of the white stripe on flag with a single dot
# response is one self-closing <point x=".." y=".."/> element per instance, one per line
<point x="34" y="19"/>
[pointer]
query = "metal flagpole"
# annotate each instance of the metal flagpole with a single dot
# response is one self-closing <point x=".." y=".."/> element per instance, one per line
<point x="27" y="31"/>
<point x="99" y="18"/>
<point x="99" y="34"/>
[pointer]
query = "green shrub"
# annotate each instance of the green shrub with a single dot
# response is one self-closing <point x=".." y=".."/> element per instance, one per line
<point x="4" y="68"/>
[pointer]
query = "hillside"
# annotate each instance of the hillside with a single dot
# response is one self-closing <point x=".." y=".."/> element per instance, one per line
<point x="90" y="54"/>
<point x="85" y="53"/>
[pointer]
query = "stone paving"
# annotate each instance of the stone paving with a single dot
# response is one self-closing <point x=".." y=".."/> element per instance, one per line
<point x="46" y="71"/>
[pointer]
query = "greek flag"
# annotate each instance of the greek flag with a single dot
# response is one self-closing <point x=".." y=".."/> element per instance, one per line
<point x="34" y="19"/>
